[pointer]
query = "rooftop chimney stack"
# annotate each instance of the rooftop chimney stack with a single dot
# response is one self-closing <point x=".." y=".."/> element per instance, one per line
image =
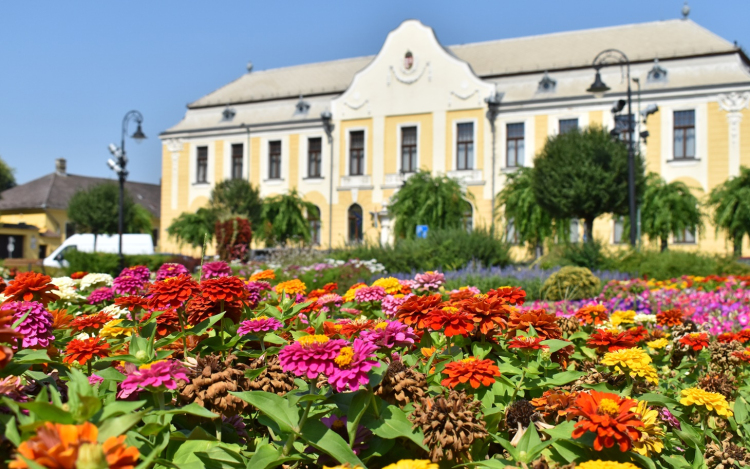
<point x="61" y="166"/>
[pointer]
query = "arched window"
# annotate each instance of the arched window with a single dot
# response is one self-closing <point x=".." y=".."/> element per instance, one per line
<point x="355" y="223"/>
<point x="313" y="219"/>
<point x="468" y="217"/>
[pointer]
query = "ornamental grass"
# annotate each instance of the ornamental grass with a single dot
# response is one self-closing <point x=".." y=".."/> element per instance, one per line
<point x="266" y="369"/>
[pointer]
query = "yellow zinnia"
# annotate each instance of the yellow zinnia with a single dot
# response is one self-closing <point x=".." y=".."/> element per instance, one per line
<point x="710" y="400"/>
<point x="658" y="343"/>
<point x="622" y="317"/>
<point x="651" y="433"/>
<point x="599" y="464"/>
<point x="111" y="330"/>
<point x="633" y="361"/>
<point x="412" y="464"/>
<point x="291" y="287"/>
<point x="349" y="295"/>
<point x="391" y="285"/>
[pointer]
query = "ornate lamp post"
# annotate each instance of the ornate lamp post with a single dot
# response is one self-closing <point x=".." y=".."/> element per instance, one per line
<point x="119" y="166"/>
<point x="598" y="88"/>
<point x="493" y="109"/>
<point x="326" y="117"/>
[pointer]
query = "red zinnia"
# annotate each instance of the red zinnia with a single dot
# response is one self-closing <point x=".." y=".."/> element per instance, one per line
<point x="331" y="287"/>
<point x="743" y="336"/>
<point x="414" y="310"/>
<point x="223" y="289"/>
<point x="475" y="372"/>
<point x="201" y="308"/>
<point x="605" y="341"/>
<point x="171" y="292"/>
<point x="512" y="295"/>
<point x="31" y="286"/>
<point x="78" y="275"/>
<point x="464" y="294"/>
<point x="609" y="417"/>
<point x="455" y="321"/>
<point x="638" y="333"/>
<point x="351" y="328"/>
<point x="726" y="337"/>
<point x="743" y="355"/>
<point x="166" y="323"/>
<point x="670" y="317"/>
<point x="490" y="313"/>
<point x="543" y="323"/>
<point x="82" y="351"/>
<point x="697" y="341"/>
<point x="132" y="303"/>
<point x="526" y="343"/>
<point x="90" y="322"/>
<point x="592" y="314"/>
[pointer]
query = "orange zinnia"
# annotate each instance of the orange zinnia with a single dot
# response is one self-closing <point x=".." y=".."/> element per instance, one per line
<point x="726" y="337"/>
<point x="90" y="322"/>
<point x="352" y="328"/>
<point x="78" y="275"/>
<point x="490" y="313"/>
<point x="83" y="350"/>
<point x="605" y="341"/>
<point x="223" y="289"/>
<point x="58" y="446"/>
<point x="166" y="323"/>
<point x="60" y="318"/>
<point x="132" y="303"/>
<point x="743" y="336"/>
<point x="670" y="317"/>
<point x="414" y="310"/>
<point x="592" y="314"/>
<point x="291" y="287"/>
<point x="201" y="308"/>
<point x="554" y="404"/>
<point x="475" y="372"/>
<point x="544" y="324"/>
<point x="454" y="320"/>
<point x="697" y="341"/>
<point x="263" y="275"/>
<point x="512" y="295"/>
<point x="609" y="417"/>
<point x="31" y="286"/>
<point x="172" y="292"/>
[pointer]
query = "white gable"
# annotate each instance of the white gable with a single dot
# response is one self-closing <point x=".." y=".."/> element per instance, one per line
<point x="412" y="74"/>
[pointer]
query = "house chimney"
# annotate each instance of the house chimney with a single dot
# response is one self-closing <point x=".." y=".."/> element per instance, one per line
<point x="60" y="166"/>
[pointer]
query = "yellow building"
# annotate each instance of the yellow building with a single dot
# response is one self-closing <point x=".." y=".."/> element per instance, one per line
<point x="39" y="208"/>
<point x="418" y="104"/>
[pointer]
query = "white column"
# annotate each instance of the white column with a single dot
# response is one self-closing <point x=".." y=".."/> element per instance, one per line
<point x="733" y="103"/>
<point x="174" y="145"/>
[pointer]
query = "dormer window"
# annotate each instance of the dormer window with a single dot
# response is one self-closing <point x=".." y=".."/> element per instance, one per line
<point x="228" y="114"/>
<point x="657" y="73"/>
<point x="301" y="107"/>
<point x="547" y="84"/>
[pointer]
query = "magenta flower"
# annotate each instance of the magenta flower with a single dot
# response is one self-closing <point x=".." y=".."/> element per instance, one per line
<point x="743" y="319"/>
<point x="95" y="379"/>
<point x="429" y="281"/>
<point x="311" y="355"/>
<point x="255" y="292"/>
<point x="352" y="364"/>
<point x="330" y="299"/>
<point x="216" y="269"/>
<point x="259" y="324"/>
<point x="365" y="294"/>
<point x="101" y="295"/>
<point x="36" y="329"/>
<point x="170" y="270"/>
<point x="350" y="311"/>
<point x="157" y="376"/>
<point x="668" y="418"/>
<point x="391" y="304"/>
<point x="138" y="271"/>
<point x="128" y="283"/>
<point x="389" y="334"/>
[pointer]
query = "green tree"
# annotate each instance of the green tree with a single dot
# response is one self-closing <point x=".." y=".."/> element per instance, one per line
<point x="584" y="174"/>
<point x="237" y="197"/>
<point x="668" y="208"/>
<point x="436" y="201"/>
<point x="7" y="176"/>
<point x="531" y="222"/>
<point x="96" y="210"/>
<point x="284" y="219"/>
<point x="194" y="229"/>
<point x="730" y="202"/>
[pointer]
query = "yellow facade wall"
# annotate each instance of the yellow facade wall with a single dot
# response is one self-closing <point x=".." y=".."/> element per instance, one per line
<point x="343" y="141"/>
<point x="653" y="144"/>
<point x="452" y="119"/>
<point x="392" y="137"/>
<point x="718" y="145"/>
<point x="293" y="161"/>
<point x="540" y="132"/>
<point x="596" y="118"/>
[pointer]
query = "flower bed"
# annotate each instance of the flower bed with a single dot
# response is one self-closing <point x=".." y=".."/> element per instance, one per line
<point x="253" y="371"/>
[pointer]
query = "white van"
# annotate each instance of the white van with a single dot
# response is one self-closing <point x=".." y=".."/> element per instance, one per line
<point x="131" y="244"/>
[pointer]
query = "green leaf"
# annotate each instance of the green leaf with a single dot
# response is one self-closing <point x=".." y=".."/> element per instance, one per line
<point x="555" y="344"/>
<point x="118" y="425"/>
<point x="110" y="373"/>
<point x="274" y="339"/>
<point x="275" y="407"/>
<point x="202" y="326"/>
<point x="11" y="432"/>
<point x="677" y="461"/>
<point x="268" y="456"/>
<point x="360" y="403"/>
<point x="394" y="424"/>
<point x="199" y="454"/>
<point x="252" y="374"/>
<point x="560" y="379"/>
<point x="88" y="407"/>
<point x="481" y="350"/>
<point x="529" y="440"/>
<point x="324" y="439"/>
<point x="569" y="450"/>
<point x="119" y="408"/>
<point x="31" y="357"/>
<point x="579" y="335"/>
<point x="740" y="410"/>
<point x="562" y="431"/>
<point x="48" y="412"/>
<point x="658" y="399"/>
<point x="193" y="409"/>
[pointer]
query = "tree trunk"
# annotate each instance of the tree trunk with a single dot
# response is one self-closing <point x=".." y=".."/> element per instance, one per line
<point x="738" y="246"/>
<point x="539" y="250"/>
<point x="588" y="230"/>
<point x="663" y="244"/>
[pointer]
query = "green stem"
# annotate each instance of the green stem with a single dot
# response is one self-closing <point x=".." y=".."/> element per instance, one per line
<point x="217" y="424"/>
<point x="518" y="386"/>
<point x="88" y="365"/>
<point x="181" y="318"/>
<point x="263" y="344"/>
<point x="293" y="437"/>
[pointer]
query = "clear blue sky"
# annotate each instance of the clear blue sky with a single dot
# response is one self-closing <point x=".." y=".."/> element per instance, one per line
<point x="71" y="70"/>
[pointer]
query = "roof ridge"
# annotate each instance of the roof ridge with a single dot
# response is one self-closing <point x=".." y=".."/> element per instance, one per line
<point x="49" y="189"/>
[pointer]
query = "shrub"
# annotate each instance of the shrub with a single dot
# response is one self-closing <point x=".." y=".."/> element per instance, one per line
<point x="110" y="263"/>
<point x="571" y="283"/>
<point x="233" y="238"/>
<point x="442" y="249"/>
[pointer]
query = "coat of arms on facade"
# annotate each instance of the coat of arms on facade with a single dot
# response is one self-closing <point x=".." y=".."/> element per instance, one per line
<point x="408" y="60"/>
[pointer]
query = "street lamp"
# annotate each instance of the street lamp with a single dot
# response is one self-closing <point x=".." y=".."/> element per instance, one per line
<point x="598" y="88"/>
<point x="493" y="109"/>
<point x="326" y="117"/>
<point x="119" y="166"/>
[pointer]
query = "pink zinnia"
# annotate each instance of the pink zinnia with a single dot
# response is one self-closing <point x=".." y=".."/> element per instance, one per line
<point x="36" y="329"/>
<point x="128" y="283"/>
<point x="350" y="311"/>
<point x="259" y="324"/>
<point x="311" y="355"/>
<point x="429" y="280"/>
<point x="100" y="295"/>
<point x="216" y="269"/>
<point x="391" y="304"/>
<point x="352" y="365"/>
<point x="156" y="376"/>
<point x="95" y="379"/>
<point x="389" y="334"/>
<point x="137" y="271"/>
<point x="330" y="299"/>
<point x="365" y="294"/>
<point x="171" y="270"/>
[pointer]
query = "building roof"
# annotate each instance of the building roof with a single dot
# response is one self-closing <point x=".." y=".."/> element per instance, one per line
<point x="55" y="191"/>
<point x="533" y="54"/>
